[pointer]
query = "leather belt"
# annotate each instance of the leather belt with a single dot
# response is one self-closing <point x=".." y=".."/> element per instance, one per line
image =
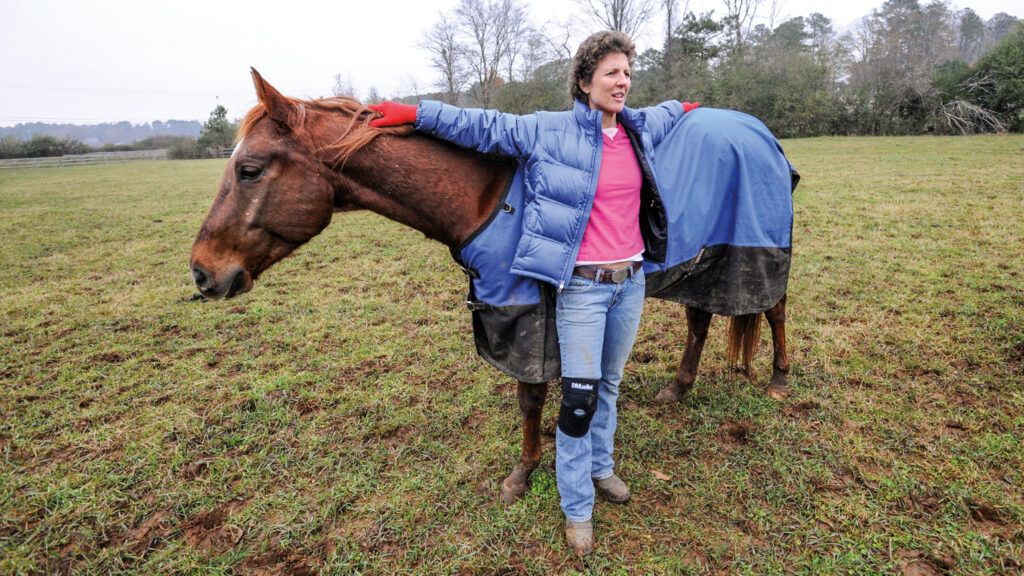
<point x="606" y="275"/>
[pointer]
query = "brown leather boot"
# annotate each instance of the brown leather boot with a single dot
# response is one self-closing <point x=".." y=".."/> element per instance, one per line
<point x="580" y="536"/>
<point x="613" y="489"/>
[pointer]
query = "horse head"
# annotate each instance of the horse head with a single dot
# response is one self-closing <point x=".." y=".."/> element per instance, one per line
<point x="275" y="195"/>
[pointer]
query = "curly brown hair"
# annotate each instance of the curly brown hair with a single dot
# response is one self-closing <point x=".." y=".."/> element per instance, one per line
<point x="590" y="52"/>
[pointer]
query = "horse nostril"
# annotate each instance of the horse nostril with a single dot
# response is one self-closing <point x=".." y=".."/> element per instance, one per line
<point x="200" y="275"/>
<point x="237" y="282"/>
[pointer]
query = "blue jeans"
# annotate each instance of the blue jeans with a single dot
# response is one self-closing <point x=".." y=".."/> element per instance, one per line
<point x="597" y="326"/>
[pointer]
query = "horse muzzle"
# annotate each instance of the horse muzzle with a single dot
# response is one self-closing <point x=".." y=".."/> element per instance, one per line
<point x="228" y="284"/>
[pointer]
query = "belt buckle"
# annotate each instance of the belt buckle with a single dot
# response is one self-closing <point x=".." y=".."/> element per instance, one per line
<point x="619" y="276"/>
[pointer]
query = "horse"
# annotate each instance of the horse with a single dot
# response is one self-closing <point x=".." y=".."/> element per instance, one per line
<point x="299" y="161"/>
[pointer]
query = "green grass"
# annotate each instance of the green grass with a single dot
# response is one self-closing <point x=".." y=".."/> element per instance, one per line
<point x="337" y="419"/>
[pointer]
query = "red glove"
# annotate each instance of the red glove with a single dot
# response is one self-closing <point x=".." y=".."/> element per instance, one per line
<point x="687" y="106"/>
<point x="392" y="114"/>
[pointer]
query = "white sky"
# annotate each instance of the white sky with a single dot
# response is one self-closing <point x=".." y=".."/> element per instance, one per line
<point x="111" y="60"/>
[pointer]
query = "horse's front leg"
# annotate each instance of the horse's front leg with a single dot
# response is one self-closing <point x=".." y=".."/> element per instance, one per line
<point x="531" y="405"/>
<point x="778" y="388"/>
<point x="697" y="323"/>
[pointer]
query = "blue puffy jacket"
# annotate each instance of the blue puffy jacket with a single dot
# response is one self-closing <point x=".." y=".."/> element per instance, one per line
<point x="562" y="156"/>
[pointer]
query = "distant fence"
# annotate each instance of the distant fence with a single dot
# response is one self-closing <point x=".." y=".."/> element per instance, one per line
<point x="197" y="153"/>
<point x="78" y="159"/>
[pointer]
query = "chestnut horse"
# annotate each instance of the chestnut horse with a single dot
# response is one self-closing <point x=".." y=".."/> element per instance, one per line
<point x="299" y="161"/>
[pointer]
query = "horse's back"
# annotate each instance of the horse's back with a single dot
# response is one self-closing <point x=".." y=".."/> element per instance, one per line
<point x="727" y="188"/>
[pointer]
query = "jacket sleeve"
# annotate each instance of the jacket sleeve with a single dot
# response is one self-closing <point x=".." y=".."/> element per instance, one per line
<point x="661" y="119"/>
<point x="487" y="131"/>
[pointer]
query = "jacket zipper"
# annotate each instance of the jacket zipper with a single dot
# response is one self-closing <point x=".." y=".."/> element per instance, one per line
<point x="590" y="203"/>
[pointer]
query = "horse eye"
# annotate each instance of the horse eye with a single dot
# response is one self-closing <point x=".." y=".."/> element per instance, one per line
<point x="249" y="173"/>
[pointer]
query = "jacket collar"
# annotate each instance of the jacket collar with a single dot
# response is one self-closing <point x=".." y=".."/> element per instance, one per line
<point x="630" y="118"/>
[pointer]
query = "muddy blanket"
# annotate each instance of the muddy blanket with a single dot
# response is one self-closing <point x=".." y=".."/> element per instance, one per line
<point x="727" y="190"/>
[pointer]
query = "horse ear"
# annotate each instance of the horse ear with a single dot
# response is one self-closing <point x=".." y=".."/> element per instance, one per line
<point x="279" y="107"/>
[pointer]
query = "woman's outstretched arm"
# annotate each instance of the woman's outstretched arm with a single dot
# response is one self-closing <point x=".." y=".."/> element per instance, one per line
<point x="487" y="131"/>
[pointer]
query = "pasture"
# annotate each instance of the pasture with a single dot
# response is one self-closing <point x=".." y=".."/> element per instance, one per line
<point x="337" y="420"/>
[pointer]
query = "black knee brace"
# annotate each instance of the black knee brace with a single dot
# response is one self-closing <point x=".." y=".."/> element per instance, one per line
<point x="579" y="402"/>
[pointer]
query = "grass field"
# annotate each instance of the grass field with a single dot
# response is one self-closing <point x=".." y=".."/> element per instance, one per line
<point x="336" y="419"/>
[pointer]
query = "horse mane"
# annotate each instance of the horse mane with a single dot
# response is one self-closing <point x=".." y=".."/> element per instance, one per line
<point x="354" y="137"/>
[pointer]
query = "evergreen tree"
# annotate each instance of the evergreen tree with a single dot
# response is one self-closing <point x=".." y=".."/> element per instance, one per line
<point x="217" y="132"/>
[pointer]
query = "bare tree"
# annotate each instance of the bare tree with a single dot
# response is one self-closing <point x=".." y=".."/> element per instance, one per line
<point x="674" y="15"/>
<point x="512" y="34"/>
<point x="343" y="86"/>
<point x="557" y="37"/>
<point x="670" y="18"/>
<point x="627" y="16"/>
<point x="474" y="21"/>
<point x="497" y="33"/>
<point x="970" y="35"/>
<point x="448" y="57"/>
<point x="774" y="12"/>
<point x="537" y="51"/>
<point x="739" y="16"/>
<point x="373" y="96"/>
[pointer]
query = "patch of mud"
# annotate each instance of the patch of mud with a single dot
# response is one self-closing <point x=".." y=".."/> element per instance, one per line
<point x="988" y="518"/>
<point x="954" y="429"/>
<point x="278" y="563"/>
<point x="914" y="563"/>
<point x="964" y="399"/>
<point x="127" y="325"/>
<point x="367" y="369"/>
<point x="29" y="398"/>
<point x="66" y="455"/>
<point x="108" y="358"/>
<point x="474" y="419"/>
<point x="146" y="535"/>
<point x="368" y="533"/>
<point x="70" y="555"/>
<point x="842" y="479"/>
<point x="736" y="433"/>
<point x="170" y="330"/>
<point x="926" y="504"/>
<point x="160" y="400"/>
<point x="83" y="424"/>
<point x="304" y="406"/>
<point x="852" y="426"/>
<point x="211" y="531"/>
<point x="399" y="436"/>
<point x="1015" y="358"/>
<point x="196" y="468"/>
<point x="644" y="357"/>
<point x="800" y="409"/>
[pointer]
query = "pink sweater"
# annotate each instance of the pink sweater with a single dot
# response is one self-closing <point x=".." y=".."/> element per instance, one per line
<point x="613" y="231"/>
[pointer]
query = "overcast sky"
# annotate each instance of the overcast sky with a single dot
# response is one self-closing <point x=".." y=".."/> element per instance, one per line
<point x="107" y="60"/>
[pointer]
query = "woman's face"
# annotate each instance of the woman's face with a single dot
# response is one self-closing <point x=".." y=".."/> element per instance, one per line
<point x="610" y="84"/>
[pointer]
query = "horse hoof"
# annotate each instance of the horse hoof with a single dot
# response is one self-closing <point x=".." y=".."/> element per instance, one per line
<point x="778" y="387"/>
<point x="511" y="491"/>
<point x="668" y="394"/>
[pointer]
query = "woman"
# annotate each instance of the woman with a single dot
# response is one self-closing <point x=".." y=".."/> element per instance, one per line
<point x="593" y="215"/>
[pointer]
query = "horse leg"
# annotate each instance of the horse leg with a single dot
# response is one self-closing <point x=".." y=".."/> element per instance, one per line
<point x="778" y="388"/>
<point x="697" y="322"/>
<point x="531" y="404"/>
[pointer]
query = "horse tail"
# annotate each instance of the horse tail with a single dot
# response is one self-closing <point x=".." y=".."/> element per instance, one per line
<point x="744" y="333"/>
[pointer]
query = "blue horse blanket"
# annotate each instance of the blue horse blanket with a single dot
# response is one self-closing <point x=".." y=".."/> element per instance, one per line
<point x="727" y="190"/>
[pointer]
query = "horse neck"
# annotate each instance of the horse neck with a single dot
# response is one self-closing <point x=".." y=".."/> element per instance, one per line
<point x="443" y="191"/>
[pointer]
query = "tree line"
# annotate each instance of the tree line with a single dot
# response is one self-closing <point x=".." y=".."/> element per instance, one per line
<point x="215" y="135"/>
<point x="905" y="68"/>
